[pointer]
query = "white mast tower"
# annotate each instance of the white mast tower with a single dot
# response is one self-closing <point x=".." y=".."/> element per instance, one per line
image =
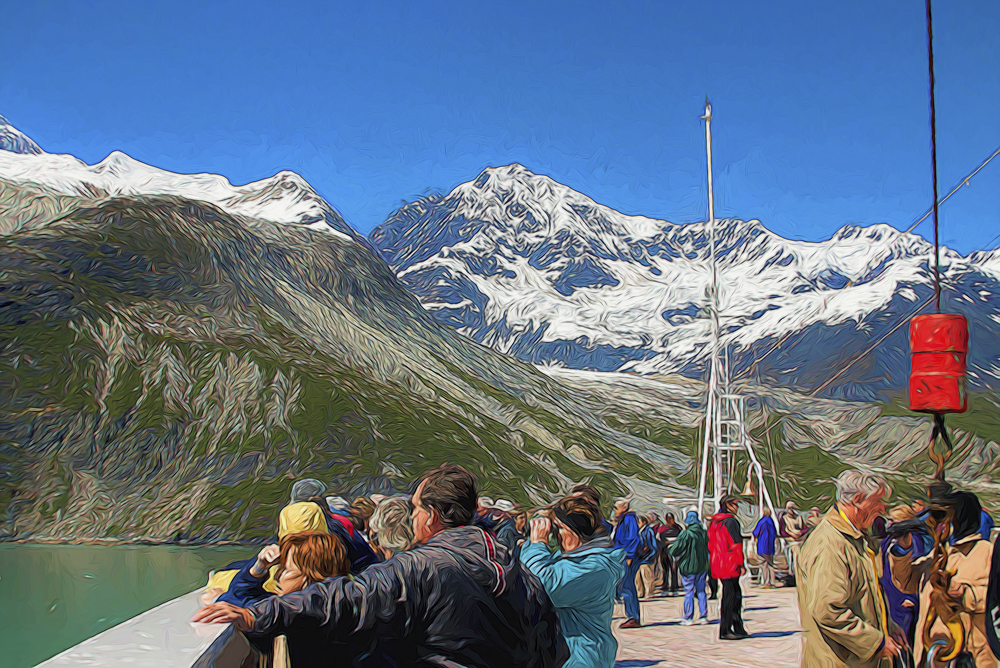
<point x="724" y="427"/>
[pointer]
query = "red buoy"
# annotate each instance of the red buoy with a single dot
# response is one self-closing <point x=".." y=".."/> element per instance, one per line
<point x="939" y="343"/>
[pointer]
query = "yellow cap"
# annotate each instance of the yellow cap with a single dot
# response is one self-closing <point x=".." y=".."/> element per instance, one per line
<point x="302" y="516"/>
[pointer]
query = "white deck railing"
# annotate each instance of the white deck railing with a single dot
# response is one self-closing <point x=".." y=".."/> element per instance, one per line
<point x="163" y="637"/>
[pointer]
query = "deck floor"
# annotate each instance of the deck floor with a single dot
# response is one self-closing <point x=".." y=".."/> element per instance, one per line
<point x="771" y="617"/>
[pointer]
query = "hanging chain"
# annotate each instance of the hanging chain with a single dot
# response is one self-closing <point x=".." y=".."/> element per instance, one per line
<point x="942" y="606"/>
<point x="940" y="458"/>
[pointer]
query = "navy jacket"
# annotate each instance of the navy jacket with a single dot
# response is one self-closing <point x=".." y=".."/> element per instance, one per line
<point x="459" y="600"/>
<point x="359" y="551"/>
<point x="626" y="534"/>
<point x="765" y="532"/>
<point x="245" y="588"/>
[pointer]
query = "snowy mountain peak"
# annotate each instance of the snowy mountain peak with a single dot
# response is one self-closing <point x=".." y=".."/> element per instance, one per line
<point x="119" y="164"/>
<point x="290" y="179"/>
<point x="887" y="239"/>
<point x="512" y="211"/>
<point x="15" y="141"/>
<point x="528" y="266"/>
<point x="283" y="198"/>
<point x="511" y="172"/>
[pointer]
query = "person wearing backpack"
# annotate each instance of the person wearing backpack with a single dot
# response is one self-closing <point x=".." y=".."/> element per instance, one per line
<point x="690" y="553"/>
<point x="646" y="555"/>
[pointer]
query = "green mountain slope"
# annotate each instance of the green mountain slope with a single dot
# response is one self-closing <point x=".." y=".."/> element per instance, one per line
<point x="169" y="369"/>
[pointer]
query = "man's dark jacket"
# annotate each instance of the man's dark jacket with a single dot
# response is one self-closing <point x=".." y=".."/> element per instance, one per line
<point x="457" y="601"/>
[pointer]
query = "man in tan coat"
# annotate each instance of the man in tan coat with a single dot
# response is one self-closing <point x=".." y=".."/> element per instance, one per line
<point x="968" y="559"/>
<point x="841" y="604"/>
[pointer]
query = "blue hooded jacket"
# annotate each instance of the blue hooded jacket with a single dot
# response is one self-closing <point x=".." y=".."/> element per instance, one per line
<point x="765" y="532"/>
<point x="581" y="584"/>
<point x="626" y="535"/>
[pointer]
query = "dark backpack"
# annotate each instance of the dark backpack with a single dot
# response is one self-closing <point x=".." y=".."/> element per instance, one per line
<point x="647" y="545"/>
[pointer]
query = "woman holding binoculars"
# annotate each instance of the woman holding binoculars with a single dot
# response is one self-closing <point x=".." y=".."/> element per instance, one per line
<point x="580" y="577"/>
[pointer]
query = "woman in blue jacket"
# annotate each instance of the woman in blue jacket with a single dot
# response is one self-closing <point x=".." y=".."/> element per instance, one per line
<point x="580" y="578"/>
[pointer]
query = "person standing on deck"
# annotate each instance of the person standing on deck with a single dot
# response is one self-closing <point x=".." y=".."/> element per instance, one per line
<point x="580" y="578"/>
<point x="842" y="608"/>
<point x="626" y="537"/>
<point x="647" y="557"/>
<point x="992" y="622"/>
<point x="903" y="607"/>
<point x="766" y="533"/>
<point x="670" y="530"/>
<point x="725" y="543"/>
<point x="506" y="530"/>
<point x="690" y="554"/>
<point x="792" y="527"/>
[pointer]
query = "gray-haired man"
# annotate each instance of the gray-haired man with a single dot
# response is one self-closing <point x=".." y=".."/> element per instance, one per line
<point x="842" y="606"/>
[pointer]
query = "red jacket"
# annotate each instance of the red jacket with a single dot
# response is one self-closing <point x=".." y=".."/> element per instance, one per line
<point x="725" y="543"/>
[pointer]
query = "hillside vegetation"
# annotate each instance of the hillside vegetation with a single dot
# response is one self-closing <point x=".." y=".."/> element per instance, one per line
<point x="170" y="368"/>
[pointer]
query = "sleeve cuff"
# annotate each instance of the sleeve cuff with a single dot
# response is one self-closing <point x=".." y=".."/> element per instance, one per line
<point x="898" y="551"/>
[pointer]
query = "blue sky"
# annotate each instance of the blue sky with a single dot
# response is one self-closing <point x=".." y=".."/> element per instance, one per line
<point x="821" y="108"/>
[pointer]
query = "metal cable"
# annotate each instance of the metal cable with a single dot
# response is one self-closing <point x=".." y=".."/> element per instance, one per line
<point x="934" y="179"/>
<point x="963" y="182"/>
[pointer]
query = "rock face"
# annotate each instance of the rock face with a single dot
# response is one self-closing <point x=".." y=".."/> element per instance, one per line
<point x="179" y="349"/>
<point x="14" y="141"/>
<point x="530" y="267"/>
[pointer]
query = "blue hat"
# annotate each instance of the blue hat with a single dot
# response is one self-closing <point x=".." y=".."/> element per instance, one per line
<point x="691" y="518"/>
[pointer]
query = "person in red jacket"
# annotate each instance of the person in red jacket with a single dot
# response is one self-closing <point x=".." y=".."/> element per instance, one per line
<point x="725" y="543"/>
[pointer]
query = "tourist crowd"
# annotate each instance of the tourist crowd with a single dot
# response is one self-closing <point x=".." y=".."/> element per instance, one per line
<point x="446" y="577"/>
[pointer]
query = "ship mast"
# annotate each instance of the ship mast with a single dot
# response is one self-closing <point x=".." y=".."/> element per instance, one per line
<point x="725" y="430"/>
<point x="710" y="427"/>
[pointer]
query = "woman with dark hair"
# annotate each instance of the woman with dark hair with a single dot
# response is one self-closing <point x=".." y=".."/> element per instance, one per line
<point x="580" y="578"/>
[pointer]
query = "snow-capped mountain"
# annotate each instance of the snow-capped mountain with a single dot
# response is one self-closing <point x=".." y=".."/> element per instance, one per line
<point x="283" y="198"/>
<point x="165" y="351"/>
<point x="15" y="141"/>
<point x="530" y="267"/>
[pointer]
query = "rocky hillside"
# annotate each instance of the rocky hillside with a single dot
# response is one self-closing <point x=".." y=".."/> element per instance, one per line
<point x="170" y="367"/>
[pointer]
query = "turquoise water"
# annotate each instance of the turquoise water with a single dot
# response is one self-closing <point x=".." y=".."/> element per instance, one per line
<point x="55" y="596"/>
